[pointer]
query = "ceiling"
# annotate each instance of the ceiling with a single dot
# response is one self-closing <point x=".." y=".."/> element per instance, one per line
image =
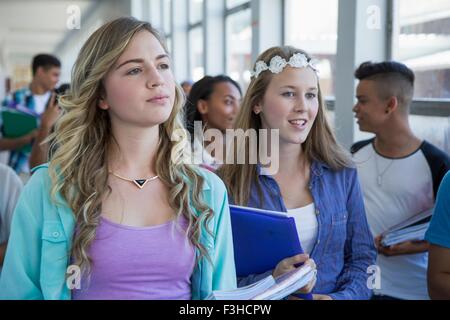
<point x="28" y="27"/>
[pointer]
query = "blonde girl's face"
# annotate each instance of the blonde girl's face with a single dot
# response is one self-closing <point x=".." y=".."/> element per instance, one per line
<point x="290" y="104"/>
<point x="140" y="87"/>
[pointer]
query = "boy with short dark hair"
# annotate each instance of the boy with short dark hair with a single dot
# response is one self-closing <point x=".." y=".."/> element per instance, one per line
<point x="400" y="174"/>
<point x="38" y="98"/>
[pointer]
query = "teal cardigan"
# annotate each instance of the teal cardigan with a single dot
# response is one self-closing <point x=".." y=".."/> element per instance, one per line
<point x="37" y="257"/>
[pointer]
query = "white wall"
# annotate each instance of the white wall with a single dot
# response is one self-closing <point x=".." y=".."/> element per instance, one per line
<point x="96" y="15"/>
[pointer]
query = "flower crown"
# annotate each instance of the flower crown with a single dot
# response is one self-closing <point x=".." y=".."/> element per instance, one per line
<point x="277" y="64"/>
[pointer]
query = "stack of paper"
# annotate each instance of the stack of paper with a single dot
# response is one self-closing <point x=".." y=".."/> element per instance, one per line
<point x="243" y="293"/>
<point x="409" y="230"/>
<point x="269" y="288"/>
<point x="288" y="284"/>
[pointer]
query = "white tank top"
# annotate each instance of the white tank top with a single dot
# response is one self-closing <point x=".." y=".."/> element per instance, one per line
<point x="307" y="225"/>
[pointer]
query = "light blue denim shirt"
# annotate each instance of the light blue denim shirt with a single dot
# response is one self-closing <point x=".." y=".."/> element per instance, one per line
<point x="345" y="247"/>
<point x="37" y="256"/>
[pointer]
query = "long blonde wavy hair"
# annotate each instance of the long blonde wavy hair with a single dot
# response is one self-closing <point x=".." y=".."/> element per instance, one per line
<point x="320" y="145"/>
<point x="82" y="137"/>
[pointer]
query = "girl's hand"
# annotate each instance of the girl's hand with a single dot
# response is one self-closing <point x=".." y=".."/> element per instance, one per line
<point x="321" y="297"/>
<point x="288" y="264"/>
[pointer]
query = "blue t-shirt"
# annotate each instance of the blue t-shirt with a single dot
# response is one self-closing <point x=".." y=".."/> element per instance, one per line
<point x="439" y="231"/>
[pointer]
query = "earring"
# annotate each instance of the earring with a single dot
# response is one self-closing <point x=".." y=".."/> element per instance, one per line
<point x="102" y="104"/>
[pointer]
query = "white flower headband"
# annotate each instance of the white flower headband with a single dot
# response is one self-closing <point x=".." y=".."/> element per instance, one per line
<point x="277" y="64"/>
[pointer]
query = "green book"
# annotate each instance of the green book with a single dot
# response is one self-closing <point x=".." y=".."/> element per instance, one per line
<point x="17" y="123"/>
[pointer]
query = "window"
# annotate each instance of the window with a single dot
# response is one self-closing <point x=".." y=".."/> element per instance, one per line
<point x="422" y="42"/>
<point x="21" y="76"/>
<point x="166" y="17"/>
<point x="239" y="46"/>
<point x="431" y="129"/>
<point x="196" y="54"/>
<point x="312" y="26"/>
<point x="235" y="3"/>
<point x="195" y="11"/>
<point x="195" y="38"/>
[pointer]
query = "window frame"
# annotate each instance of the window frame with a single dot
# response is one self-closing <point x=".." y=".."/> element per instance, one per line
<point x="227" y="14"/>
<point x="434" y="107"/>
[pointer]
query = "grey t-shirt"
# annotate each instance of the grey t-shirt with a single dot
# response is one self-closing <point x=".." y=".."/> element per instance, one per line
<point x="10" y="188"/>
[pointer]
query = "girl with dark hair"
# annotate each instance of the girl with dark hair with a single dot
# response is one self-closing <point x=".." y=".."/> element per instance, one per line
<point x="213" y="103"/>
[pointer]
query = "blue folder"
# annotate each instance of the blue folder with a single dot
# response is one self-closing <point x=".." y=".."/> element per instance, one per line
<point x="262" y="239"/>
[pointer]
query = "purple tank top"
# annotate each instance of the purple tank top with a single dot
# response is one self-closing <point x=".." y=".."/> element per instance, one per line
<point x="139" y="263"/>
